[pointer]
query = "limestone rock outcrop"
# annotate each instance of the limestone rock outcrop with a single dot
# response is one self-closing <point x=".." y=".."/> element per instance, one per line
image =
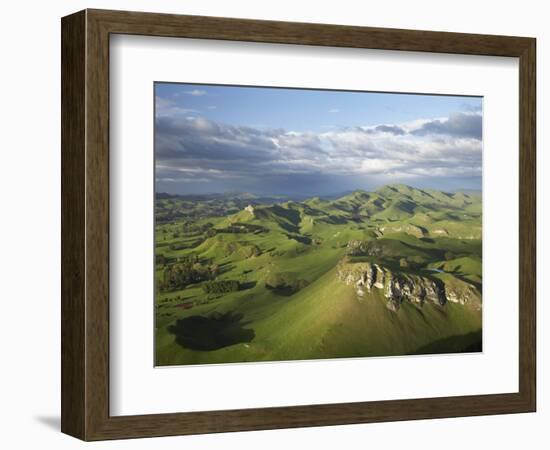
<point x="399" y="287"/>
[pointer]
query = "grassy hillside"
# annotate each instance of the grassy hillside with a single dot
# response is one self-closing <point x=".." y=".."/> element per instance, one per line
<point x="241" y="278"/>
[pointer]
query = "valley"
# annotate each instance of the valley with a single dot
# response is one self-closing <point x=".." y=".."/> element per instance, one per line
<point x="243" y="278"/>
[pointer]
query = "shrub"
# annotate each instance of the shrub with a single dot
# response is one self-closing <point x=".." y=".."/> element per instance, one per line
<point x="179" y="275"/>
<point x="285" y="283"/>
<point x="449" y="256"/>
<point x="221" y="287"/>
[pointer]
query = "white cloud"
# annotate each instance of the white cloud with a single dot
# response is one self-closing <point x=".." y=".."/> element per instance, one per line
<point x="377" y="165"/>
<point x="200" y="150"/>
<point x="168" y="108"/>
<point x="196" y="92"/>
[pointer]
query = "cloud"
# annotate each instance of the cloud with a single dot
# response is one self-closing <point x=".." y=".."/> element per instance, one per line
<point x="227" y="157"/>
<point x="334" y="110"/>
<point x="200" y="139"/>
<point x="458" y="124"/>
<point x="168" y="108"/>
<point x="196" y="92"/>
<point x="392" y="129"/>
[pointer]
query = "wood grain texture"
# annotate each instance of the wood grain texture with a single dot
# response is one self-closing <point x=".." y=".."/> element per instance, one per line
<point x="85" y="224"/>
<point x="527" y="224"/>
<point x="97" y="225"/>
<point x="73" y="111"/>
<point x="201" y="27"/>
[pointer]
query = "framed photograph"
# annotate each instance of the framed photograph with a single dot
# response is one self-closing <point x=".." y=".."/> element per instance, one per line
<point x="271" y="224"/>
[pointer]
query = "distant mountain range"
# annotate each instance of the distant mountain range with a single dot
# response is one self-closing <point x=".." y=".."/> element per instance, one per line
<point x="272" y="198"/>
<point x="421" y="209"/>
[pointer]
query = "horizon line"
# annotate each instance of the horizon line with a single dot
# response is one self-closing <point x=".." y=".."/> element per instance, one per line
<point x="344" y="192"/>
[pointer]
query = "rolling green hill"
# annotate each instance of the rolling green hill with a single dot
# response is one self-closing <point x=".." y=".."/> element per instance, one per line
<point x="244" y="278"/>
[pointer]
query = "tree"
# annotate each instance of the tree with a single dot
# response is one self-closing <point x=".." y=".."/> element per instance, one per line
<point x="181" y="274"/>
<point x="285" y="282"/>
<point x="221" y="287"/>
<point x="449" y="256"/>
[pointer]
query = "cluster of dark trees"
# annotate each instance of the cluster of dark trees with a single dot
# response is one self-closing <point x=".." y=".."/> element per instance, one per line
<point x="191" y="258"/>
<point x="161" y="259"/>
<point x="190" y="227"/>
<point x="239" y="227"/>
<point x="221" y="287"/>
<point x="183" y="246"/>
<point x="177" y="246"/>
<point x="166" y="215"/>
<point x="285" y="283"/>
<point x="181" y="274"/>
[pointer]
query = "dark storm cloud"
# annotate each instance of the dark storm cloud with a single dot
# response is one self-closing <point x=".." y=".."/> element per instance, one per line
<point x="198" y="138"/>
<point x="457" y="125"/>
<point x="195" y="147"/>
<point x="392" y="129"/>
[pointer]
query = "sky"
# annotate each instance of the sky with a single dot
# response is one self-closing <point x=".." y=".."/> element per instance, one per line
<point x="306" y="142"/>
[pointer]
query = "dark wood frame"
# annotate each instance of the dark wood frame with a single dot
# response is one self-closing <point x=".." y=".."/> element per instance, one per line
<point x="85" y="224"/>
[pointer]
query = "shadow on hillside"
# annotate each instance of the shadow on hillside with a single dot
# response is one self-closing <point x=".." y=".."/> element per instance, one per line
<point x="430" y="252"/>
<point x="247" y="285"/>
<point x="300" y="238"/>
<point x="284" y="291"/>
<point x="225" y="267"/>
<point x="466" y="343"/>
<point x="428" y="240"/>
<point x="213" y="332"/>
<point x="463" y="277"/>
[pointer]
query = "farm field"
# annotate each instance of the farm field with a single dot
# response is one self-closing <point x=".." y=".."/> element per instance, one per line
<point x="241" y="277"/>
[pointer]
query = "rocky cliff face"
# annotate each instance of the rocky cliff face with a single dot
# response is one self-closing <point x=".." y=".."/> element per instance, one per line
<point x="399" y="287"/>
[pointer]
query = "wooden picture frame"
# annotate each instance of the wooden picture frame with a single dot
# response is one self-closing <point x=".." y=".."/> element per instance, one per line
<point x="85" y="224"/>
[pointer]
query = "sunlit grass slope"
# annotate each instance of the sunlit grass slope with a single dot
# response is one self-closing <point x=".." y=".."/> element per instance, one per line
<point x="313" y="315"/>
